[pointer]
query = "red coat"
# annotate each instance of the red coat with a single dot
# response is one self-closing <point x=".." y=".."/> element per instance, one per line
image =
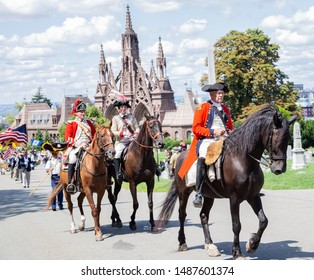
<point x="71" y="129"/>
<point x="199" y="129"/>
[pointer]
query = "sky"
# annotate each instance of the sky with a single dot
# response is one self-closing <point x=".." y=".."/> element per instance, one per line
<point x="55" y="44"/>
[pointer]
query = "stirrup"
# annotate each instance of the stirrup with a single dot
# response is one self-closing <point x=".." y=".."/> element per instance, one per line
<point x="120" y="178"/>
<point x="71" y="188"/>
<point x="197" y="202"/>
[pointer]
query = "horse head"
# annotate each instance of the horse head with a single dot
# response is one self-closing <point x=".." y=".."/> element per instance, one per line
<point x="278" y="143"/>
<point x="154" y="130"/>
<point x="105" y="141"/>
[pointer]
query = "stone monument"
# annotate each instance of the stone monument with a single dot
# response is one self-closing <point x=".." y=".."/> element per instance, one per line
<point x="298" y="158"/>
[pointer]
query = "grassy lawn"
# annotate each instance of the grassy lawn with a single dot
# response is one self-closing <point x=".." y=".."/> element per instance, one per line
<point x="292" y="179"/>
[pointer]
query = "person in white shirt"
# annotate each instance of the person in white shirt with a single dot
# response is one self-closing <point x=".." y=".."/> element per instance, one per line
<point x="53" y="166"/>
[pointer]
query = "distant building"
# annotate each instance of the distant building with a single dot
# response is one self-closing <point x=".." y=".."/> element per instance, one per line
<point x="306" y="101"/>
<point x="41" y="116"/>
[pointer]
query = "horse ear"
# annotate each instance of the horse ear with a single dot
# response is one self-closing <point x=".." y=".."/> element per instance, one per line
<point x="277" y="120"/>
<point x="96" y="125"/>
<point x="292" y="119"/>
<point x="147" y="116"/>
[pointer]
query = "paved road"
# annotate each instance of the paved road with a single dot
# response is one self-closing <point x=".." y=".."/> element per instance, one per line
<point x="29" y="232"/>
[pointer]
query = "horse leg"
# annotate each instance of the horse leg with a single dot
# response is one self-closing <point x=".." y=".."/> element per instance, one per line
<point x="95" y="211"/>
<point x="80" y="199"/>
<point x="236" y="226"/>
<point x="150" y="189"/>
<point x="210" y="248"/>
<point x="183" y="199"/>
<point x="253" y="243"/>
<point x="113" y="197"/>
<point x="70" y="207"/>
<point x="132" y="223"/>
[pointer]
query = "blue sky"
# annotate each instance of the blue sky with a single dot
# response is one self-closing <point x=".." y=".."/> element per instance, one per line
<point x="55" y="44"/>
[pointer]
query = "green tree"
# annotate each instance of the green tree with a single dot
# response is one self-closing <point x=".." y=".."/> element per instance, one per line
<point x="307" y="132"/>
<point x="61" y="130"/>
<point x="39" y="135"/>
<point x="247" y="61"/>
<point x="94" y="113"/>
<point x="47" y="137"/>
<point x="38" y="97"/>
<point x="9" y="118"/>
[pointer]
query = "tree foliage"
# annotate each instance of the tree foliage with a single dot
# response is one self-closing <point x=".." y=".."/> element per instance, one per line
<point x="248" y="61"/>
<point x="38" y="97"/>
<point x="307" y="132"/>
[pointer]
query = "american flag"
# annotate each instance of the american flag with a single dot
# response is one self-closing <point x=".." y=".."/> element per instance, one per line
<point x="17" y="134"/>
<point x="7" y="153"/>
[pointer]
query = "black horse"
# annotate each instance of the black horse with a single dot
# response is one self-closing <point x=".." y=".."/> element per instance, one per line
<point x="242" y="177"/>
<point x="138" y="165"/>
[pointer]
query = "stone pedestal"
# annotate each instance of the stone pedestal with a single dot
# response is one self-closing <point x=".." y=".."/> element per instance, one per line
<point x="298" y="158"/>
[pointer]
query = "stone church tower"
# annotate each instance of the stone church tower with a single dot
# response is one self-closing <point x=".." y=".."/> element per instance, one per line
<point x="148" y="93"/>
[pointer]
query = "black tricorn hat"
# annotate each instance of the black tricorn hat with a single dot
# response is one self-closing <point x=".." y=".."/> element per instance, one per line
<point x="54" y="147"/>
<point x="215" y="87"/>
<point x="119" y="103"/>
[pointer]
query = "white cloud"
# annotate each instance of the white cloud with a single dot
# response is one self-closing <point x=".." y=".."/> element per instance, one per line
<point x="22" y="53"/>
<point x="152" y="6"/>
<point x="193" y="25"/>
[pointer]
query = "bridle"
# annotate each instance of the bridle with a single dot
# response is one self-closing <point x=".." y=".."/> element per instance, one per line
<point x="266" y="162"/>
<point x="101" y="145"/>
<point x="270" y="149"/>
<point x="149" y="132"/>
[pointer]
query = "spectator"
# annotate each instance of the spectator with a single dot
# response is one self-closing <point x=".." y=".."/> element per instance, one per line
<point x="53" y="166"/>
<point x="26" y="169"/>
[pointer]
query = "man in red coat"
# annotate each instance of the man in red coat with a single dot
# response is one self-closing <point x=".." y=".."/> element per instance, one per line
<point x="211" y="120"/>
<point x="78" y="134"/>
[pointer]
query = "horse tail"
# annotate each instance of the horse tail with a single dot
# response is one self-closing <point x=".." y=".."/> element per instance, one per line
<point x="167" y="206"/>
<point x="54" y="193"/>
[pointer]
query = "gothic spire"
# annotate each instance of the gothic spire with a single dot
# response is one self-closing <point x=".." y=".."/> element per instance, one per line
<point x="102" y="67"/>
<point x="128" y="26"/>
<point x="161" y="61"/>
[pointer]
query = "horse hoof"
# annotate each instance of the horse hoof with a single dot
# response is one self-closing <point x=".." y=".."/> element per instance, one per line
<point x="154" y="229"/>
<point x="72" y="231"/>
<point x="183" y="247"/>
<point x="212" y="250"/>
<point x="132" y="226"/>
<point x="248" y="248"/>
<point x="99" y="238"/>
<point x="116" y="224"/>
<point x="241" y="258"/>
<point x="81" y="228"/>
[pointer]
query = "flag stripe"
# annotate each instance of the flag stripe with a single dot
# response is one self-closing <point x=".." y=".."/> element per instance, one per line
<point x="17" y="134"/>
<point x="7" y="153"/>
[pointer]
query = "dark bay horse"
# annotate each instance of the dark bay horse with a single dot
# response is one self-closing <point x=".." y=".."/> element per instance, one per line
<point x="93" y="178"/>
<point x="139" y="165"/>
<point x="242" y="177"/>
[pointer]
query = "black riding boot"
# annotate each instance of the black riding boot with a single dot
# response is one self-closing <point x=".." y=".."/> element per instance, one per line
<point x="200" y="174"/>
<point x="119" y="175"/>
<point x="71" y="188"/>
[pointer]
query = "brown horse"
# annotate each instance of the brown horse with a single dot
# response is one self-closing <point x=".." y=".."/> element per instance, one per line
<point x="139" y="166"/>
<point x="242" y="177"/>
<point x="93" y="178"/>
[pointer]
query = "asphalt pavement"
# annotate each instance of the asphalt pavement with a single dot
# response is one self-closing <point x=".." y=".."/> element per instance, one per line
<point x="28" y="232"/>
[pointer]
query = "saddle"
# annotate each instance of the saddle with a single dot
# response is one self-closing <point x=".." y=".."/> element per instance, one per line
<point x="214" y="157"/>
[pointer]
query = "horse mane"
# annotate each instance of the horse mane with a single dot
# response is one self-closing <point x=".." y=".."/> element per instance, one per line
<point x="248" y="134"/>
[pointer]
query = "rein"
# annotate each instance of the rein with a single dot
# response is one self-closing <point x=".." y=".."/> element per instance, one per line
<point x="98" y="155"/>
<point x="150" y="134"/>
<point x="267" y="164"/>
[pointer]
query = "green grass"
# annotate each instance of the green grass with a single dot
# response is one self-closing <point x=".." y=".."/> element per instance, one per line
<point x="291" y="180"/>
